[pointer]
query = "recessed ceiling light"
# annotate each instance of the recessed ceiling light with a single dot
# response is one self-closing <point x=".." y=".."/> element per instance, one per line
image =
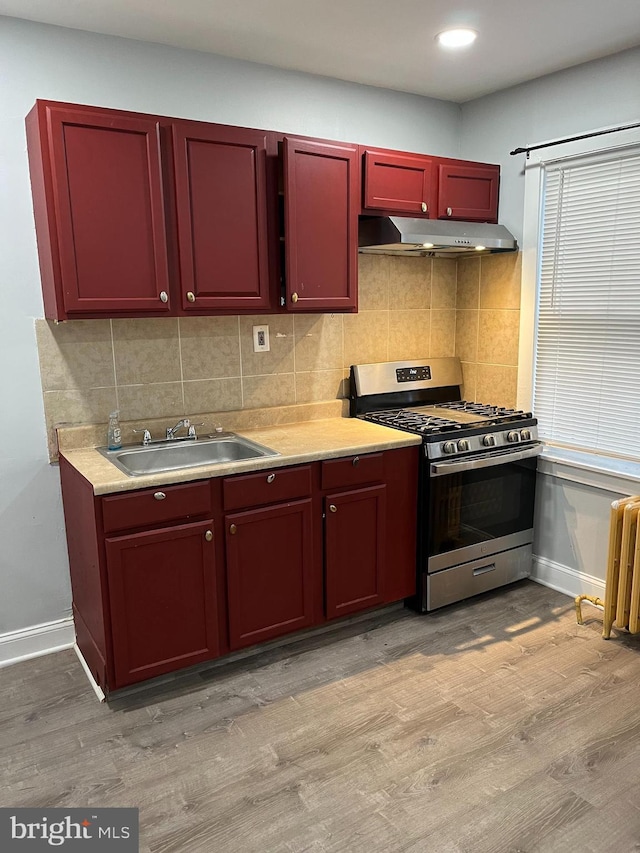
<point x="457" y="38"/>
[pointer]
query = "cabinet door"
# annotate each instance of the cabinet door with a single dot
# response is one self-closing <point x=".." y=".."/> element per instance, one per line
<point x="269" y="572"/>
<point x="355" y="525"/>
<point x="468" y="192"/>
<point x="109" y="211"/>
<point x="162" y="595"/>
<point x="321" y="225"/>
<point x="402" y="183"/>
<point x="221" y="200"/>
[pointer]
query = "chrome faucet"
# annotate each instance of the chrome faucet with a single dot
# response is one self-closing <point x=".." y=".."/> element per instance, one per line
<point x="186" y="423"/>
<point x="146" y="436"/>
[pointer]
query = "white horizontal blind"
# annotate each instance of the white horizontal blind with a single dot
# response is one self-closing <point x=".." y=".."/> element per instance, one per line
<point x="587" y="367"/>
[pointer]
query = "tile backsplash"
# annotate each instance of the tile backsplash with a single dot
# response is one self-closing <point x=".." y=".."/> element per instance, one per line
<point x="408" y="308"/>
<point x="488" y="326"/>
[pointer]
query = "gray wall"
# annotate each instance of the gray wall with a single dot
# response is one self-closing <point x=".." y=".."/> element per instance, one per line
<point x="39" y="61"/>
<point x="597" y="94"/>
<point x="571" y="517"/>
<point x="572" y="531"/>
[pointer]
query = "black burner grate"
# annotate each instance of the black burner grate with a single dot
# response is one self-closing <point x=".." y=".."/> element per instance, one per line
<point x="484" y="409"/>
<point x="432" y="425"/>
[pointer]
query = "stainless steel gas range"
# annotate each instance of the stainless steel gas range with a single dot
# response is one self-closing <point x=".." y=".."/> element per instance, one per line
<point x="477" y="476"/>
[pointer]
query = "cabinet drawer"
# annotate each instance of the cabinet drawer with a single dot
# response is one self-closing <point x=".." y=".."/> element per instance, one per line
<point x="148" y="507"/>
<point x="352" y="470"/>
<point x="266" y="487"/>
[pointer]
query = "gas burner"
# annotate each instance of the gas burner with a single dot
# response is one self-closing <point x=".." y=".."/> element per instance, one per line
<point x="411" y="421"/>
<point x="424" y="399"/>
<point x="464" y="415"/>
<point x="483" y="409"/>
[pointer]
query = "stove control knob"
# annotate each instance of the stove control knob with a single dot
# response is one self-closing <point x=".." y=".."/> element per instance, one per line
<point x="514" y="435"/>
<point x="449" y="447"/>
<point x="463" y="444"/>
<point x="489" y="440"/>
<point x="525" y="434"/>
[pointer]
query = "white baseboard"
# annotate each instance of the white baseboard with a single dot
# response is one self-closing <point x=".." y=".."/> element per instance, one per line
<point x="565" y="579"/>
<point x="94" y="684"/>
<point x="37" y="640"/>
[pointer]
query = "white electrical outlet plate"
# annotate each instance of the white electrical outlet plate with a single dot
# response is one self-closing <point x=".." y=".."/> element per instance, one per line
<point x="261" y="339"/>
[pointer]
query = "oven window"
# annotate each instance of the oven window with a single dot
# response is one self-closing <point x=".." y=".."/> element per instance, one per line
<point x="474" y="506"/>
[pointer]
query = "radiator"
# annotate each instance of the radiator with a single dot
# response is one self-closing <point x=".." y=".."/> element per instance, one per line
<point x="628" y="602"/>
<point x="622" y="584"/>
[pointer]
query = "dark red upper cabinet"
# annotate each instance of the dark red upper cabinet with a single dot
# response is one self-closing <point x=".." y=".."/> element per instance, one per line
<point x="321" y="205"/>
<point x="468" y="191"/>
<point x="400" y="183"/>
<point x="99" y="211"/>
<point x="221" y="208"/>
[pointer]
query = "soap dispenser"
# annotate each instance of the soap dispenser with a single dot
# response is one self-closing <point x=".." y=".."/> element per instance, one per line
<point x="114" y="435"/>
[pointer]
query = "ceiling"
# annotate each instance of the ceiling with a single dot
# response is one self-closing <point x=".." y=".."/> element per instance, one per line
<point x="387" y="43"/>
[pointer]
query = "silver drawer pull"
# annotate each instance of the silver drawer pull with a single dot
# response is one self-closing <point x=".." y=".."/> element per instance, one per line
<point x="484" y="569"/>
<point x="271" y="478"/>
<point x="356" y="461"/>
<point x="159" y="496"/>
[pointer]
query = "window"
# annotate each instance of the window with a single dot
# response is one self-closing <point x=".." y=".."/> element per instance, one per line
<point x="586" y="358"/>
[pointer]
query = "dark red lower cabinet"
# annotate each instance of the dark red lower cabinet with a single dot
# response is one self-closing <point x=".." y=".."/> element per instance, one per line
<point x="155" y="591"/>
<point x="270" y="572"/>
<point x="162" y="597"/>
<point x="354" y="550"/>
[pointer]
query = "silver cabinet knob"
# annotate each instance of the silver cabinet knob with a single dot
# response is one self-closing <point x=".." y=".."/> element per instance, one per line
<point x="449" y="211"/>
<point x="356" y="461"/>
<point x="159" y="496"/>
<point x="424" y="207"/>
<point x="164" y="297"/>
<point x="208" y="535"/>
<point x="233" y="529"/>
<point x="294" y="297"/>
<point x="333" y="508"/>
<point x="191" y="297"/>
<point x="271" y="478"/>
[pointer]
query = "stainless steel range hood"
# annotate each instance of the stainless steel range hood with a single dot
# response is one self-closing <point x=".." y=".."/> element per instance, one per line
<point x="399" y="235"/>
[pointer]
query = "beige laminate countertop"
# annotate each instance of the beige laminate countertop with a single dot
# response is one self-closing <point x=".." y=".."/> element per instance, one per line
<point x="296" y="443"/>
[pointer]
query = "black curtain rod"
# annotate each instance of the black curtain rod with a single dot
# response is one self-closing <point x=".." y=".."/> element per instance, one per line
<point x="573" y="139"/>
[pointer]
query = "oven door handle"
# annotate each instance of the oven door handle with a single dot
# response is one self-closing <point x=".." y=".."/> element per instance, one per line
<point x="487" y="460"/>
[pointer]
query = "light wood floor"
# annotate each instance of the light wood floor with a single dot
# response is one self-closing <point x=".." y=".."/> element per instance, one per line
<point x="495" y="725"/>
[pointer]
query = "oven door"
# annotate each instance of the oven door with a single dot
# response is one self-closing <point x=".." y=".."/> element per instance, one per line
<point x="478" y="505"/>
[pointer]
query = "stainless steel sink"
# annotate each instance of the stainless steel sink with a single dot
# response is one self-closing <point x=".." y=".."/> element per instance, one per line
<point x="173" y="455"/>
